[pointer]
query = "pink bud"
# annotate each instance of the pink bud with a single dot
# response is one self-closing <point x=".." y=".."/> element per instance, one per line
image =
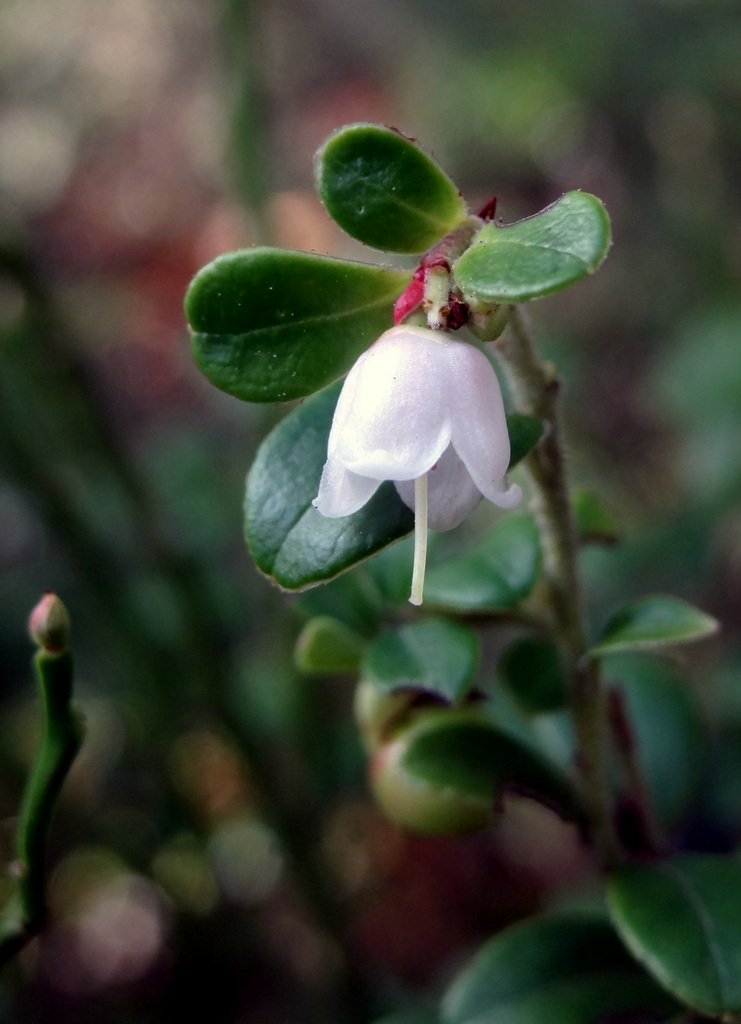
<point x="49" y="624"/>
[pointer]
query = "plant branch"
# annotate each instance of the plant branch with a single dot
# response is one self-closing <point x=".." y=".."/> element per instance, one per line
<point x="536" y="389"/>
<point x="61" y="737"/>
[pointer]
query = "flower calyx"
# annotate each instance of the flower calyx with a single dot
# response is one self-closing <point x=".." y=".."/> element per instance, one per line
<point x="431" y="288"/>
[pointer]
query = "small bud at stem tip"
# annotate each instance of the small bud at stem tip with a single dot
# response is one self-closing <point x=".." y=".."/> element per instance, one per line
<point x="49" y="624"/>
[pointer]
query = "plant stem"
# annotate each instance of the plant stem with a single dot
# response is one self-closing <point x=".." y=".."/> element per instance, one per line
<point x="535" y="388"/>
<point x="61" y="737"/>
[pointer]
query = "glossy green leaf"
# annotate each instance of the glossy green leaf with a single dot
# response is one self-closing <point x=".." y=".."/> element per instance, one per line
<point x="327" y="645"/>
<point x="533" y="671"/>
<point x="569" y="969"/>
<point x="382" y="189"/>
<point x="289" y="539"/>
<point x="434" y="655"/>
<point x="668" y="730"/>
<point x="524" y="433"/>
<point x="270" y="325"/>
<point x="654" y="622"/>
<point x="497" y="573"/>
<point x="595" y="522"/>
<point x="471" y="757"/>
<point x="682" y="920"/>
<point x="542" y="254"/>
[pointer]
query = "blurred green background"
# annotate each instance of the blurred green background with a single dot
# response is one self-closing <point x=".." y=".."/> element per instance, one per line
<point x="215" y="852"/>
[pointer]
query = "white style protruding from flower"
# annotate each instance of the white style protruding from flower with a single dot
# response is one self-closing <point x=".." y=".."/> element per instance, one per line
<point x="424" y="410"/>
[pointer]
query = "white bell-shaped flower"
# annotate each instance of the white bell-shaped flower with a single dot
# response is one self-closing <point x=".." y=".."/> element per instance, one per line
<point x="424" y="410"/>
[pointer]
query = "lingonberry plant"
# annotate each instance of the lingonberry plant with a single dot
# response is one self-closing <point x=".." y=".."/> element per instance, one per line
<point x="414" y="439"/>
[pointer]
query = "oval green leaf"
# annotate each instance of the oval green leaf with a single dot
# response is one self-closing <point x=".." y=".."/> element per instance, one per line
<point x="682" y="920"/>
<point x="532" y="669"/>
<point x="435" y="655"/>
<point x="289" y="539"/>
<point x="382" y="189"/>
<point x="654" y="622"/>
<point x="539" y="255"/>
<point x="270" y="325"/>
<point x="471" y="757"/>
<point x="569" y="969"/>
<point x="497" y="573"/>
<point x="327" y="645"/>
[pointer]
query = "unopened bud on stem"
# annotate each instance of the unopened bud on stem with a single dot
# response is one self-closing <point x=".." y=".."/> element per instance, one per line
<point x="49" y="624"/>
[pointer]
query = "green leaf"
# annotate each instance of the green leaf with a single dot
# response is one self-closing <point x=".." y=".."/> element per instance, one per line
<point x="533" y="671"/>
<point x="497" y="573"/>
<point x="434" y="654"/>
<point x="539" y="255"/>
<point x="524" y="433"/>
<point x="471" y="757"/>
<point x="270" y="325"/>
<point x="289" y="539"/>
<point x="390" y="574"/>
<point x="348" y="599"/>
<point x="668" y="730"/>
<point x="595" y="522"/>
<point x="560" y="970"/>
<point x="654" y="622"/>
<point x="682" y="920"/>
<point x="382" y="189"/>
<point x="328" y="645"/>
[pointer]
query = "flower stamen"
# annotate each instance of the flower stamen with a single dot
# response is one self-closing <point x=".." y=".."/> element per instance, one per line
<point x="420" y="539"/>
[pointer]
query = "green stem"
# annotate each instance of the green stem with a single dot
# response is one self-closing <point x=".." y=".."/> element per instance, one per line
<point x="535" y="388"/>
<point x="60" y="742"/>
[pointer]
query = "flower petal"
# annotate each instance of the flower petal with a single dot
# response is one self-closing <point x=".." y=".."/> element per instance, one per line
<point x="341" y="492"/>
<point x="392" y="420"/>
<point x="479" y="426"/>
<point x="451" y="493"/>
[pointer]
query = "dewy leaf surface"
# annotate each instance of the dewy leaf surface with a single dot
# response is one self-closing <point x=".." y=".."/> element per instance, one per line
<point x="289" y="539"/>
<point x="271" y="325"/>
<point x="382" y="189"/>
<point x="539" y="255"/>
<point x="569" y="969"/>
<point x="682" y="920"/>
